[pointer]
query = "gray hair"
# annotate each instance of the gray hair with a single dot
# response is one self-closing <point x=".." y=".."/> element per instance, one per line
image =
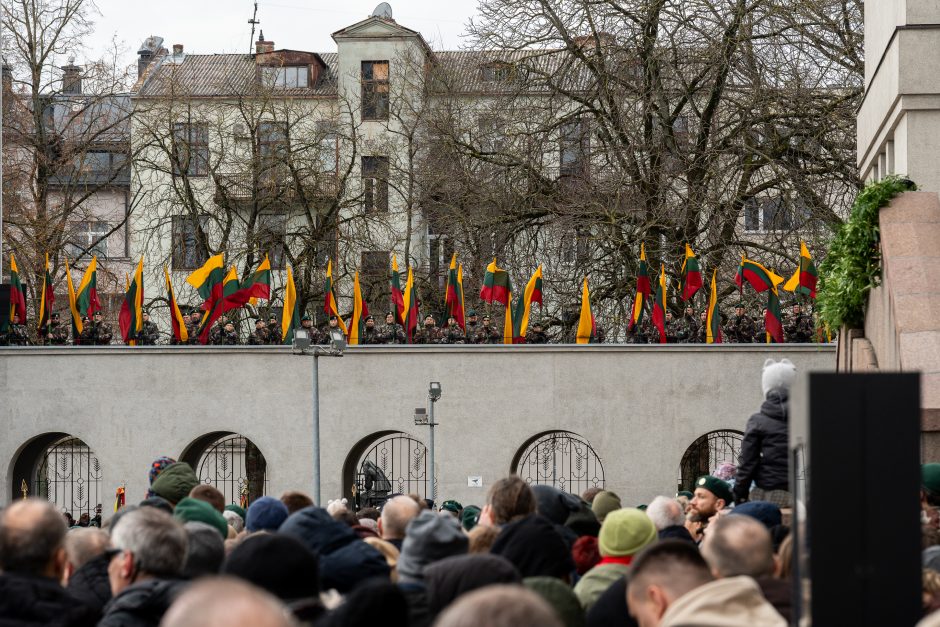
<point x="738" y="545"/>
<point x="396" y="514"/>
<point x="84" y="544"/>
<point x="665" y="512"/>
<point x="157" y="541"/>
<point x="235" y="521"/>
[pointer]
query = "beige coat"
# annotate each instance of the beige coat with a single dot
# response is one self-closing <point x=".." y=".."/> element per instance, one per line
<point x="730" y="602"/>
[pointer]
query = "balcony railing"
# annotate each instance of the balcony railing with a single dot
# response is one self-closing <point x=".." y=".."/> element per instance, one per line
<point x="244" y="186"/>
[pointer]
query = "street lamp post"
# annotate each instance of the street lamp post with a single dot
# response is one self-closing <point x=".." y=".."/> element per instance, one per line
<point x="434" y="395"/>
<point x="303" y="345"/>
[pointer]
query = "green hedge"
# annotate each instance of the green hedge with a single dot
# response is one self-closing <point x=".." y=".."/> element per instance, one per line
<point x="853" y="265"/>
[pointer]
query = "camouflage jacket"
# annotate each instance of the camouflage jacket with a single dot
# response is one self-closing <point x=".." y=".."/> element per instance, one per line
<point x="536" y="337"/>
<point x="740" y="330"/>
<point x="16" y="335"/>
<point x="371" y="336"/>
<point x="259" y="337"/>
<point x="487" y="335"/>
<point x="55" y="334"/>
<point x="798" y="328"/>
<point x="686" y="330"/>
<point x="453" y="335"/>
<point x="100" y="333"/>
<point x="393" y="334"/>
<point x="274" y="333"/>
<point x="221" y="337"/>
<point x="149" y="333"/>
<point x="428" y="335"/>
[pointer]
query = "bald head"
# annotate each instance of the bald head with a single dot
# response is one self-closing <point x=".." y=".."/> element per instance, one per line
<point x="226" y="602"/>
<point x="396" y="515"/>
<point x="85" y="544"/>
<point x="32" y="537"/>
<point x="738" y="545"/>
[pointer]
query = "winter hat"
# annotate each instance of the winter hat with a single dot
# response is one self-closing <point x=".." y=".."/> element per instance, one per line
<point x="624" y="532"/>
<point x="583" y="521"/>
<point x="280" y="564"/>
<point x="766" y="513"/>
<point x="585" y="554"/>
<point x="235" y="508"/>
<point x="560" y="596"/>
<point x="265" y="514"/>
<point x="604" y="503"/>
<point x="175" y="482"/>
<point x="930" y="477"/>
<point x="535" y="547"/>
<point x="777" y="375"/>
<point x="553" y="503"/>
<point x="470" y="517"/>
<point x="429" y="538"/>
<point x="716" y="486"/>
<point x="194" y="510"/>
<point x="158" y="466"/>
<point x="158" y="502"/>
<point x="234" y="521"/>
<point x="451" y="577"/>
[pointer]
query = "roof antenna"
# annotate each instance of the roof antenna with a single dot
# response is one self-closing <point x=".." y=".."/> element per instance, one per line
<point x="253" y="21"/>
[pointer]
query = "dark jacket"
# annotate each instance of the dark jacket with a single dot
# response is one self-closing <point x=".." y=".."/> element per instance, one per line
<point x="27" y="600"/>
<point x="764" y="450"/>
<point x="89" y="584"/>
<point x="778" y="593"/>
<point x="611" y="607"/>
<point x="142" y="604"/>
<point x="452" y="577"/>
<point x="345" y="560"/>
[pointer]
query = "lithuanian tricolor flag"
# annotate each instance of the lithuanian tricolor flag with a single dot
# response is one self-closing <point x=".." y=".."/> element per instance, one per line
<point x="532" y="294"/>
<point x="219" y="303"/>
<point x="587" y="329"/>
<point x="77" y="326"/>
<point x="357" y="325"/>
<point x="410" y="312"/>
<point x="804" y="279"/>
<point x="17" y="292"/>
<point x="643" y="289"/>
<point x="713" y="321"/>
<point x="208" y="279"/>
<point x="691" y="274"/>
<point x="772" y="319"/>
<point x="496" y="285"/>
<point x="255" y="286"/>
<point x="131" y="317"/>
<point x="290" y="318"/>
<point x="758" y="276"/>
<point x="47" y="296"/>
<point x="453" y="292"/>
<point x="176" y="317"/>
<point x="659" y="306"/>
<point x="398" y="299"/>
<point x="330" y="303"/>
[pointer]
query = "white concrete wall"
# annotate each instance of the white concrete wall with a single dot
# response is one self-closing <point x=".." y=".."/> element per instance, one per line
<point x="640" y="407"/>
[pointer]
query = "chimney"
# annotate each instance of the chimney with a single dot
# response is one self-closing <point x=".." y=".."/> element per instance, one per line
<point x="71" y="78"/>
<point x="262" y="46"/>
<point x="148" y="50"/>
<point x="177" y="50"/>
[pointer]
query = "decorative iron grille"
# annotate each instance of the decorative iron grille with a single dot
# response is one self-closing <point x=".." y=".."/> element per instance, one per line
<point x="236" y="467"/>
<point x="397" y="464"/>
<point x="706" y="453"/>
<point x="561" y="459"/>
<point x="69" y="475"/>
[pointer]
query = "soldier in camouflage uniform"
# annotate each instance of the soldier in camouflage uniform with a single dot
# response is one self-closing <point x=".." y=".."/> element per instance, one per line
<point x="260" y="335"/>
<point x="54" y="333"/>
<point x="215" y="333"/>
<point x="392" y="332"/>
<point x="16" y="335"/>
<point x="307" y="323"/>
<point x="487" y="334"/>
<point x="226" y="335"/>
<point x="101" y="332"/>
<point x="429" y="333"/>
<point x="452" y="333"/>
<point x="740" y="328"/>
<point x="325" y="333"/>
<point x="672" y="328"/>
<point x="701" y="331"/>
<point x="536" y="334"/>
<point x="274" y="330"/>
<point x="149" y="333"/>
<point x="798" y="326"/>
<point x="370" y="335"/>
<point x="687" y="327"/>
<point x="473" y="325"/>
<point x="760" y="329"/>
<point x="192" y="326"/>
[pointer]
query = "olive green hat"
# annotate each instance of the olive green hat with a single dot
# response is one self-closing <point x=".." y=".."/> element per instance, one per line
<point x="716" y="486"/>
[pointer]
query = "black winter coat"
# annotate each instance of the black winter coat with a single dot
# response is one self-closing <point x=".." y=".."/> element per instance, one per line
<point x="142" y="604"/>
<point x="27" y="600"/>
<point x="765" y="449"/>
<point x="89" y="584"/>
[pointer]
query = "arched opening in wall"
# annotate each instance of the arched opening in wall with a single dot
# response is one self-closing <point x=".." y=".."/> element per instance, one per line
<point x="706" y="454"/>
<point x="382" y="464"/>
<point x="62" y="469"/>
<point x="561" y="459"/>
<point x="230" y="462"/>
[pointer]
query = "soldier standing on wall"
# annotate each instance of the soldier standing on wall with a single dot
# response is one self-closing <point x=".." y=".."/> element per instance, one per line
<point x="429" y="333"/>
<point x="687" y="327"/>
<point x="101" y="332"/>
<point x="672" y="329"/>
<point x="453" y="334"/>
<point x="325" y="334"/>
<point x="392" y="332"/>
<point x="740" y="328"/>
<point x="259" y="336"/>
<point x="473" y="325"/>
<point x="274" y="332"/>
<point x="487" y="334"/>
<point x="798" y="326"/>
<point x="536" y="334"/>
<point x="370" y="335"/>
<point x="16" y="335"/>
<point x="701" y="331"/>
<point x="54" y="333"/>
<point x="307" y="323"/>
<point x="192" y="327"/>
<point x="149" y="333"/>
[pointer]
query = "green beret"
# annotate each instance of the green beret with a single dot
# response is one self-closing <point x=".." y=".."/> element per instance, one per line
<point x="470" y="517"/>
<point x="685" y="493"/>
<point x="716" y="486"/>
<point x="930" y="477"/>
<point x="642" y="507"/>
<point x="452" y="506"/>
<point x="235" y="508"/>
<point x="471" y="313"/>
<point x="194" y="510"/>
<point x="306" y="317"/>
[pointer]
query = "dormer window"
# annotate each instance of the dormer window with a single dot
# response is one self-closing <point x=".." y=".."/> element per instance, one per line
<point x="288" y="77"/>
<point x="497" y="72"/>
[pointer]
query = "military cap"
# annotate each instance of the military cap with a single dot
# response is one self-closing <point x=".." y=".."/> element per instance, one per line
<point x="259" y="320"/>
<point x="452" y="506"/>
<point x="740" y="306"/>
<point x="98" y="313"/>
<point x="716" y="486"/>
<point x="389" y="313"/>
<point x="684" y="493"/>
<point x="930" y="477"/>
<point x="305" y="317"/>
<point x="55" y="315"/>
<point x="272" y="317"/>
<point x="471" y="313"/>
<point x="486" y="317"/>
<point x="333" y="317"/>
<point x="369" y="317"/>
<point x="538" y="323"/>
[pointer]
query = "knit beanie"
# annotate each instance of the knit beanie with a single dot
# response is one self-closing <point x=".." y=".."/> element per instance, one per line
<point x="175" y="482"/>
<point x="766" y="513"/>
<point x="265" y="514"/>
<point x="429" y="538"/>
<point x="560" y="596"/>
<point x="535" y="547"/>
<point x="777" y="375"/>
<point x="280" y="564"/>
<point x="604" y="503"/>
<point x="554" y="504"/>
<point x="585" y="554"/>
<point x="194" y="510"/>
<point x="625" y="532"/>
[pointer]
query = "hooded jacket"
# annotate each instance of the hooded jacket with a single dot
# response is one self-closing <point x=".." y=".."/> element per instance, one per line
<point x="29" y="600"/>
<point x="764" y="449"/>
<point x="345" y="560"/>
<point x="729" y="602"/>
<point x="452" y="577"/>
<point x="142" y="604"/>
<point x="89" y="584"/>
<point x="175" y="482"/>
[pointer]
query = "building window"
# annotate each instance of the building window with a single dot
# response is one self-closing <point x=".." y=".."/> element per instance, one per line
<point x="768" y="214"/>
<point x="375" y="268"/>
<point x="89" y="238"/>
<point x="375" y="184"/>
<point x="496" y="72"/>
<point x="272" y="146"/>
<point x="328" y="154"/>
<point x="189" y="242"/>
<point x="190" y="149"/>
<point x="575" y="145"/>
<point x="272" y="237"/>
<point x="286" y="77"/>
<point x="375" y="90"/>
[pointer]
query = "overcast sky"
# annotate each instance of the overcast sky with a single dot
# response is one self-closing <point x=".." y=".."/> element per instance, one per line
<point x="207" y="26"/>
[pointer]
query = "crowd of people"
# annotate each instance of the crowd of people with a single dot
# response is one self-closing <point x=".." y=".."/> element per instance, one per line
<point x="798" y="327"/>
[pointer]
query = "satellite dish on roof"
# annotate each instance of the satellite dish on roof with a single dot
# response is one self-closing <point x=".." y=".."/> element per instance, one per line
<point x="384" y="10"/>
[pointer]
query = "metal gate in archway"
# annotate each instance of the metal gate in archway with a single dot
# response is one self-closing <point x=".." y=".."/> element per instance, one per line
<point x="397" y="464"/>
<point x="706" y="453"/>
<point x="561" y="459"/>
<point x="69" y="475"/>
<point x="236" y="467"/>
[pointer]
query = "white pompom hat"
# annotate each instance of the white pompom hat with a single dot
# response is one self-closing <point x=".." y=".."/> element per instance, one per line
<point x="777" y="375"/>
